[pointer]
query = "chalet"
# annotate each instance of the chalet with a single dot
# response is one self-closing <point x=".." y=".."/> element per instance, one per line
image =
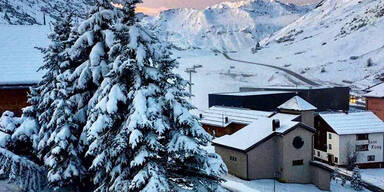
<point x="19" y="62"/>
<point x="275" y="147"/>
<point x="343" y="136"/>
<point x="374" y="100"/>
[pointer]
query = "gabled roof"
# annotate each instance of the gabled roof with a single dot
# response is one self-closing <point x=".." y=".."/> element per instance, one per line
<point x="376" y="91"/>
<point x="255" y="133"/>
<point x="354" y="123"/>
<point x="297" y="103"/>
<point x="19" y="60"/>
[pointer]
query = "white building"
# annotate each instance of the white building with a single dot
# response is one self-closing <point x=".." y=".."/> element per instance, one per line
<point x="343" y="136"/>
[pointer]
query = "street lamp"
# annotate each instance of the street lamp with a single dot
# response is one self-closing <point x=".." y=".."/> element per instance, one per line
<point x="190" y="71"/>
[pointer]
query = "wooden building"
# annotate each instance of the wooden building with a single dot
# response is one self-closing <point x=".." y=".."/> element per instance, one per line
<point x="19" y="62"/>
<point x="375" y="100"/>
<point x="13" y="98"/>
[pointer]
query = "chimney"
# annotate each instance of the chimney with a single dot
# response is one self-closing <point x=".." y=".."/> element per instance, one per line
<point x="275" y="124"/>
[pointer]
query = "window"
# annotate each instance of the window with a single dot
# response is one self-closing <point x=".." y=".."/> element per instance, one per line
<point x="329" y="136"/>
<point x="360" y="137"/>
<point x="336" y="160"/>
<point x="330" y="146"/>
<point x="362" y="147"/>
<point x="371" y="158"/>
<point x="232" y="158"/>
<point x="297" y="162"/>
<point x="318" y="153"/>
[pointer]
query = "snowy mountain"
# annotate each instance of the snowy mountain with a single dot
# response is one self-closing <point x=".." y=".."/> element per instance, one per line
<point x="340" y="42"/>
<point x="225" y="26"/>
<point x="28" y="12"/>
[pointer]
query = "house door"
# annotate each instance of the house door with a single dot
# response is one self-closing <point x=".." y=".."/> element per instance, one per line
<point x="330" y="159"/>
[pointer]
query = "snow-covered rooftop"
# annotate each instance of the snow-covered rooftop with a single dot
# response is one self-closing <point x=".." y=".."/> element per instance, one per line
<point x="216" y="115"/>
<point x="354" y="123"/>
<point x="298" y="104"/>
<point x="376" y="91"/>
<point x="19" y="60"/>
<point x="250" y="93"/>
<point x="253" y="133"/>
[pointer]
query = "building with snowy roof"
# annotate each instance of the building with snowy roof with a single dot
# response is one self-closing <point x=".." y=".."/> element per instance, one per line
<point x="19" y="62"/>
<point x="271" y="144"/>
<point x="342" y="136"/>
<point x="374" y="100"/>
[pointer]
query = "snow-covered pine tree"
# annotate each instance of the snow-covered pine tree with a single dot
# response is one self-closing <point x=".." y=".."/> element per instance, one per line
<point x="59" y="133"/>
<point x="140" y="129"/>
<point x="85" y="67"/>
<point x="356" y="179"/>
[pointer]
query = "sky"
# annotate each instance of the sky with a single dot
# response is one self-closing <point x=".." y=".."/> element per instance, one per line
<point x="153" y="7"/>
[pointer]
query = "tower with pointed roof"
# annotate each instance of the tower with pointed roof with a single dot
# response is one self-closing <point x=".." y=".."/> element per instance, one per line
<point x="297" y="105"/>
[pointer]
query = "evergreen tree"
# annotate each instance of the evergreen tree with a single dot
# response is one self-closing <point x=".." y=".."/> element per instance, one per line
<point x="89" y="55"/>
<point x="356" y="179"/>
<point x="59" y="133"/>
<point x="140" y="129"/>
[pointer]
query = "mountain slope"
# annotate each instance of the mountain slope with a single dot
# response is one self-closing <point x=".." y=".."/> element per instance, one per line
<point x="28" y="12"/>
<point x="225" y="26"/>
<point x="340" y="42"/>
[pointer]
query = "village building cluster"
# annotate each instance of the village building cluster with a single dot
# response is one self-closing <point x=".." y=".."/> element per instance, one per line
<point x="289" y="133"/>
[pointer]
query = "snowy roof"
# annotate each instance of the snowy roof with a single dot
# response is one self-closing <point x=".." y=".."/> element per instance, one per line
<point x="376" y="91"/>
<point x="298" y="104"/>
<point x="354" y="123"/>
<point x="250" y="93"/>
<point x="253" y="133"/>
<point x="284" y="116"/>
<point x="215" y="115"/>
<point x="19" y="60"/>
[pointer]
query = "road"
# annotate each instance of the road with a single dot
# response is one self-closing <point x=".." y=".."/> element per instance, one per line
<point x="296" y="75"/>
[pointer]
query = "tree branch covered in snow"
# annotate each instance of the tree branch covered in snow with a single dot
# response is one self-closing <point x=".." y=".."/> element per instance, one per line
<point x="19" y="170"/>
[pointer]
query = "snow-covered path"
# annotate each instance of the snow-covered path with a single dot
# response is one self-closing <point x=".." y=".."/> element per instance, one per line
<point x="235" y="184"/>
<point x="296" y="75"/>
<point x="374" y="176"/>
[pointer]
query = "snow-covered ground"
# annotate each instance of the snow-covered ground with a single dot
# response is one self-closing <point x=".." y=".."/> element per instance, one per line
<point x="266" y="185"/>
<point x="8" y="187"/>
<point x="374" y="176"/>
<point x="340" y="42"/>
<point x="216" y="75"/>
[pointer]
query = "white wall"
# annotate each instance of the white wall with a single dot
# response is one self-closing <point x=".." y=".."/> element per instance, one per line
<point x="334" y="141"/>
<point x="375" y="147"/>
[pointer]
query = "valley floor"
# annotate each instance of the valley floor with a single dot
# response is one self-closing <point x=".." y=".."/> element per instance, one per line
<point x="267" y="185"/>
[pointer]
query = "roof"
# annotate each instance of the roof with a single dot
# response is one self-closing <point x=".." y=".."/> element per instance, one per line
<point x="19" y="60"/>
<point x="376" y="91"/>
<point x="252" y="93"/>
<point x="284" y="116"/>
<point x="253" y="134"/>
<point x="298" y="104"/>
<point x="215" y="116"/>
<point x="354" y="123"/>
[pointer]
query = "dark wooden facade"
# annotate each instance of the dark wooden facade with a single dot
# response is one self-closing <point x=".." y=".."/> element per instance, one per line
<point x="221" y="131"/>
<point x="322" y="128"/>
<point x="13" y="99"/>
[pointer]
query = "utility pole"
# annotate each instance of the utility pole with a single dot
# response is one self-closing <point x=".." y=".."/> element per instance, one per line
<point x="190" y="71"/>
